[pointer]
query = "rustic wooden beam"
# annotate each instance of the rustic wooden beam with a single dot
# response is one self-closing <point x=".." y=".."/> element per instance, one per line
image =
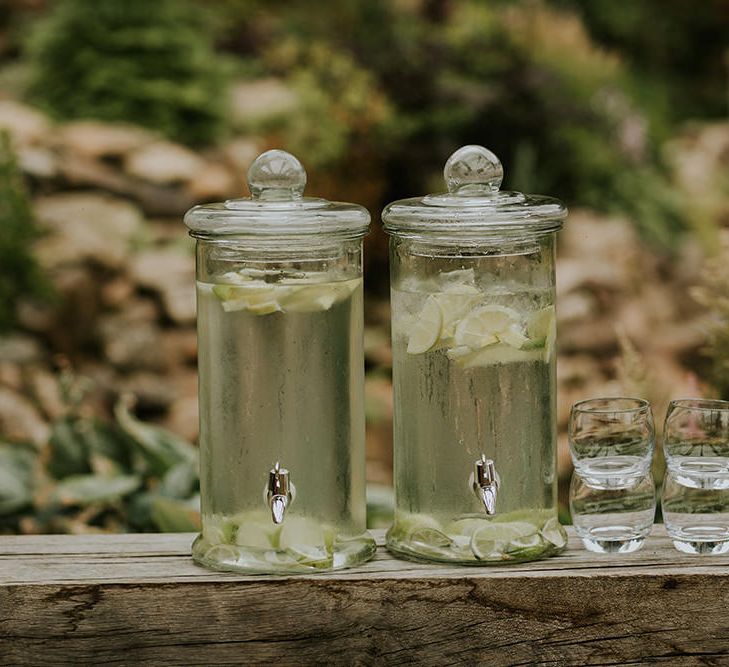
<point x="129" y="599"/>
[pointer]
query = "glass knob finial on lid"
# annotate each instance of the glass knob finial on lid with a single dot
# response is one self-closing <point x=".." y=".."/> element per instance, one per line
<point x="276" y="176"/>
<point x="473" y="170"/>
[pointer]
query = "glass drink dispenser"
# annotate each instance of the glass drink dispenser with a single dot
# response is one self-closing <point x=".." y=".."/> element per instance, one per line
<point x="473" y="330"/>
<point x="281" y="377"/>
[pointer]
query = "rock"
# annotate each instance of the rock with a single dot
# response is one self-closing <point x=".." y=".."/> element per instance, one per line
<point x="86" y="227"/>
<point x="180" y="346"/>
<point x="24" y="124"/>
<point x="116" y="292"/>
<point x="11" y="375"/>
<point x="20" y="421"/>
<point x="241" y="152"/>
<point x="377" y="347"/>
<point x="37" y="162"/>
<point x="154" y="199"/>
<point x="153" y="392"/>
<point x="131" y="344"/>
<point x="20" y="349"/>
<point x="171" y="274"/>
<point x="576" y="306"/>
<point x="164" y="163"/>
<point x="182" y="417"/>
<point x="47" y="392"/>
<point x="595" y="336"/>
<point x="252" y="101"/>
<point x="95" y="139"/>
<point x="213" y="182"/>
<point x="71" y="319"/>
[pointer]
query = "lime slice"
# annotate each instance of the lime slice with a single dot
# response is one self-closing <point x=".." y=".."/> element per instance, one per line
<point x="540" y="322"/>
<point x="222" y="554"/>
<point x="513" y="336"/>
<point x="430" y="537"/>
<point x="550" y="341"/>
<point x="554" y="533"/>
<point x="490" y="541"/>
<point x="253" y="535"/>
<point x="466" y="527"/>
<point x="534" y="344"/>
<point x="426" y="330"/>
<point x="479" y="327"/>
<point x="306" y="540"/>
<point x="528" y="547"/>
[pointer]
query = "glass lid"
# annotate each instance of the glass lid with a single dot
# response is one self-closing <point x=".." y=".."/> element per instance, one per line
<point x="474" y="204"/>
<point x="277" y="206"/>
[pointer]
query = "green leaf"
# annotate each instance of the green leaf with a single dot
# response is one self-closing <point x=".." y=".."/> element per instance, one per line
<point x="90" y="489"/>
<point x="175" y="516"/>
<point x="16" y="478"/>
<point x="68" y="449"/>
<point x="160" y="448"/>
<point x="180" y="481"/>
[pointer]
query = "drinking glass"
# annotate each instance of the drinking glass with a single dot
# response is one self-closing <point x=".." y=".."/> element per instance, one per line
<point x="613" y="517"/>
<point x="612" y="494"/>
<point x="695" y="497"/>
<point x="611" y="437"/>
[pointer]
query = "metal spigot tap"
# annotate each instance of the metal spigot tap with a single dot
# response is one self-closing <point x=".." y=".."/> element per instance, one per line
<point x="486" y="483"/>
<point x="279" y="492"/>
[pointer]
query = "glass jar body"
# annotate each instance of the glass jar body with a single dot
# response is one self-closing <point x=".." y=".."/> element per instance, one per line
<point x="473" y="330"/>
<point x="281" y="385"/>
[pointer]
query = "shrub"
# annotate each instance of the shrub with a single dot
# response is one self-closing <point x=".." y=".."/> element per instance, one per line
<point x="150" y="63"/>
<point x="20" y="274"/>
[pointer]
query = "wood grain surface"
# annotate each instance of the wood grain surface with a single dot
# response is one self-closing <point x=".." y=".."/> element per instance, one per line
<point x="139" y="599"/>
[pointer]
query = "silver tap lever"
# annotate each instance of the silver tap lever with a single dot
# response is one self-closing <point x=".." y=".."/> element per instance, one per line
<point x="279" y="492"/>
<point x="486" y="484"/>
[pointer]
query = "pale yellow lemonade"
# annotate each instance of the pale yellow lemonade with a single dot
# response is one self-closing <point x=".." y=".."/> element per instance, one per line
<point x="281" y="376"/>
<point x="474" y="376"/>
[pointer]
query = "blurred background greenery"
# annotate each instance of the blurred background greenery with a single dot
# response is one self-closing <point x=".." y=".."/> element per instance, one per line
<point x="117" y="117"/>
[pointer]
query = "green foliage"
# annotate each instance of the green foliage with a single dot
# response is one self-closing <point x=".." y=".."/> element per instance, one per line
<point x="149" y="63"/>
<point x="20" y="274"/>
<point x="121" y="475"/>
<point x="553" y="93"/>
<point x="714" y="296"/>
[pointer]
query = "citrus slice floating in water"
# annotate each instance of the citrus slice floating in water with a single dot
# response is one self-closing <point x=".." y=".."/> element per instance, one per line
<point x="490" y="541"/>
<point x="554" y="533"/>
<point x="426" y="328"/>
<point x="479" y="328"/>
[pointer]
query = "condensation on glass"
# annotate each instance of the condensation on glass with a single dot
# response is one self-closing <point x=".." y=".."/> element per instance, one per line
<point x="473" y="330"/>
<point x="281" y="377"/>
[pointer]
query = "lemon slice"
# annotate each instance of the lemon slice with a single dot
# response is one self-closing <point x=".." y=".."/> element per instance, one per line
<point x="513" y="336"/>
<point x="426" y="330"/>
<point x="453" y="307"/>
<point x="248" y="296"/>
<point x="479" y="328"/>
<point x="490" y="541"/>
<point x="554" y="533"/>
<point x="309" y="298"/>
